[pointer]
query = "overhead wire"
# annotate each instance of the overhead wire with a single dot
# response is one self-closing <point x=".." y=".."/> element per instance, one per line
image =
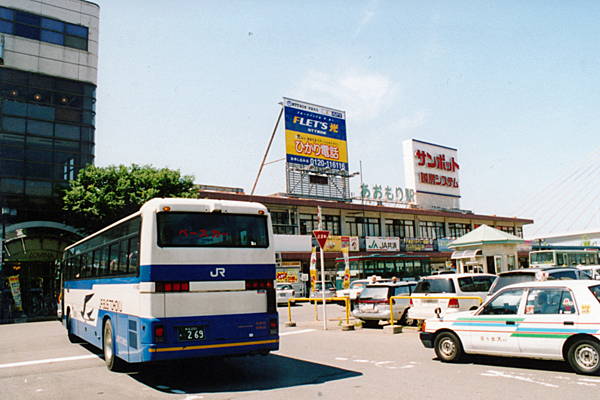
<point x="572" y="182"/>
<point x="567" y="203"/>
<point x="583" y="212"/>
<point x="576" y="178"/>
<point x="575" y="206"/>
<point x="553" y="184"/>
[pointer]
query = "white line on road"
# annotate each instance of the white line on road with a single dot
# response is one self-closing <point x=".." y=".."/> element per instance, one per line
<point x="48" y="361"/>
<point x="53" y="360"/>
<point x="295" y="332"/>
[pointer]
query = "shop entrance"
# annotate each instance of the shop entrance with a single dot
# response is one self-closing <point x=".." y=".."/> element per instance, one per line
<point x="37" y="284"/>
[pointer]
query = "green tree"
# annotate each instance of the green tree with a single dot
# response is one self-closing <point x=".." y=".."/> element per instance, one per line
<point x="586" y="241"/>
<point x="101" y="196"/>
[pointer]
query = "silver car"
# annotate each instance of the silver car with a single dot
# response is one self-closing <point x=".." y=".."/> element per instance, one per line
<point x="329" y="290"/>
<point x="373" y="303"/>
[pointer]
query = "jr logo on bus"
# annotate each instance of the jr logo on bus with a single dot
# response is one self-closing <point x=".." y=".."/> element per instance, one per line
<point x="217" y="272"/>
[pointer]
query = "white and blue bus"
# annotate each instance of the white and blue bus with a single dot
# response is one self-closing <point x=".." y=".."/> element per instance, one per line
<point x="180" y="278"/>
<point x="564" y="257"/>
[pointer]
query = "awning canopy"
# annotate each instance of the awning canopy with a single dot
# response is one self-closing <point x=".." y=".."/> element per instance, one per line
<point x="457" y="255"/>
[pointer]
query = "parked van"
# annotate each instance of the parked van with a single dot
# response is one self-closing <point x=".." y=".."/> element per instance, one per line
<point x="424" y="299"/>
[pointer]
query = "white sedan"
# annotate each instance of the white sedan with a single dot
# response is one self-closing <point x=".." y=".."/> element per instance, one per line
<point x="285" y="292"/>
<point x="554" y="320"/>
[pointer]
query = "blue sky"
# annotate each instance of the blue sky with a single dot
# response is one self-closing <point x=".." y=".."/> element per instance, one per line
<point x="514" y="86"/>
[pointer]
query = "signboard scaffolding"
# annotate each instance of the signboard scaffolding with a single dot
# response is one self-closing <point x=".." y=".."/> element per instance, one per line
<point x="314" y="182"/>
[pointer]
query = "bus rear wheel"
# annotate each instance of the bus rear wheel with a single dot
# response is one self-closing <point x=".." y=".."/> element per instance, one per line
<point x="72" y="337"/>
<point x="113" y="363"/>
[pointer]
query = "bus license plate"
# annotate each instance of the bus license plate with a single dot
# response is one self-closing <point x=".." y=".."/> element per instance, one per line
<point x="186" y="333"/>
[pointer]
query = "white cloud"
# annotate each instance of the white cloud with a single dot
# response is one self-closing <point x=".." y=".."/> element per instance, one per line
<point x="368" y="16"/>
<point x="363" y="96"/>
<point x="411" y="122"/>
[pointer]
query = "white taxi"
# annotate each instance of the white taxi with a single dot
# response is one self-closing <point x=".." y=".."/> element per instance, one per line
<point x="554" y="320"/>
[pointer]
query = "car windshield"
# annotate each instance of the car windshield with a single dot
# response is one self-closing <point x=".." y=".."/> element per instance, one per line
<point x="509" y="279"/>
<point x="328" y="285"/>
<point x="284" y="287"/>
<point x="357" y="285"/>
<point x="596" y="291"/>
<point x="374" y="293"/>
<point x="435" y="286"/>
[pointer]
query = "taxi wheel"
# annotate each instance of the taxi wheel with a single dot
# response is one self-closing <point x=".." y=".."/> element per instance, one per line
<point x="448" y="347"/>
<point x="584" y="357"/>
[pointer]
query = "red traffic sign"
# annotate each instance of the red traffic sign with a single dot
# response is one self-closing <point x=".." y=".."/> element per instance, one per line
<point x="321" y="237"/>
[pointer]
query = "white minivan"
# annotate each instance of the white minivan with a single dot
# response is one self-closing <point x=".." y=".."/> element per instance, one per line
<point x="445" y="292"/>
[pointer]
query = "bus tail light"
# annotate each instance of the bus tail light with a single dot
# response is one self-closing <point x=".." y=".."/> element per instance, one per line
<point x="259" y="284"/>
<point x="159" y="333"/>
<point x="453" y="303"/>
<point x="273" y="326"/>
<point x="423" y="327"/>
<point x="169" y="287"/>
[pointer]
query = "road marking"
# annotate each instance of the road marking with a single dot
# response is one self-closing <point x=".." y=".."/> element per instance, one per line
<point x="520" y="378"/>
<point x="48" y="361"/>
<point x="296" y="332"/>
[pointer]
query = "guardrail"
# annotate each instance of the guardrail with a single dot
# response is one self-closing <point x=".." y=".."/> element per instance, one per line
<point x="430" y="298"/>
<point x="346" y="300"/>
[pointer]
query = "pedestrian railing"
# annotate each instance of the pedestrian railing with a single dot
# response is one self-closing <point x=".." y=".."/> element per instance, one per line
<point x="346" y="301"/>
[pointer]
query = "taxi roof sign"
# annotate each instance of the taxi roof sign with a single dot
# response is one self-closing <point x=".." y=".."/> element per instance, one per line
<point x="321" y="237"/>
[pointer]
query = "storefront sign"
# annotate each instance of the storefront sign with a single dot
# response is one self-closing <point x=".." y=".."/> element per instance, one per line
<point x="432" y="170"/>
<point x="387" y="194"/>
<point x="313" y="269"/>
<point x="338" y="243"/>
<point x="346" y="283"/>
<point x="418" y="244"/>
<point x="443" y="244"/>
<point x="288" y="273"/>
<point x="15" y="289"/>
<point x="382" y="243"/>
<point x="315" y="135"/>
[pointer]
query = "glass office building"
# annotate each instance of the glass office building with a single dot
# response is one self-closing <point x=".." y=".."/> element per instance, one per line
<point x="48" y="76"/>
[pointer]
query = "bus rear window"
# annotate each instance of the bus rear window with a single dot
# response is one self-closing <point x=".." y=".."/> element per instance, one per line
<point x="193" y="229"/>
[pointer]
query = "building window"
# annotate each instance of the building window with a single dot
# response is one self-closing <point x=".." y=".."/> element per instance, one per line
<point x="362" y="227"/>
<point x="458" y="230"/>
<point x="519" y="230"/>
<point x="432" y="230"/>
<point x="310" y="222"/>
<point x="39" y="153"/>
<point x="284" y="222"/>
<point x="36" y="27"/>
<point x="507" y="229"/>
<point x="400" y="228"/>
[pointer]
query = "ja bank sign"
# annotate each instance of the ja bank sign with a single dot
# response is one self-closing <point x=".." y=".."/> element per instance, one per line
<point x="382" y="243"/>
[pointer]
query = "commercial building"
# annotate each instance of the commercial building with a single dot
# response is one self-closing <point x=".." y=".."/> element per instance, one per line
<point x="387" y="240"/>
<point x="48" y="76"/>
